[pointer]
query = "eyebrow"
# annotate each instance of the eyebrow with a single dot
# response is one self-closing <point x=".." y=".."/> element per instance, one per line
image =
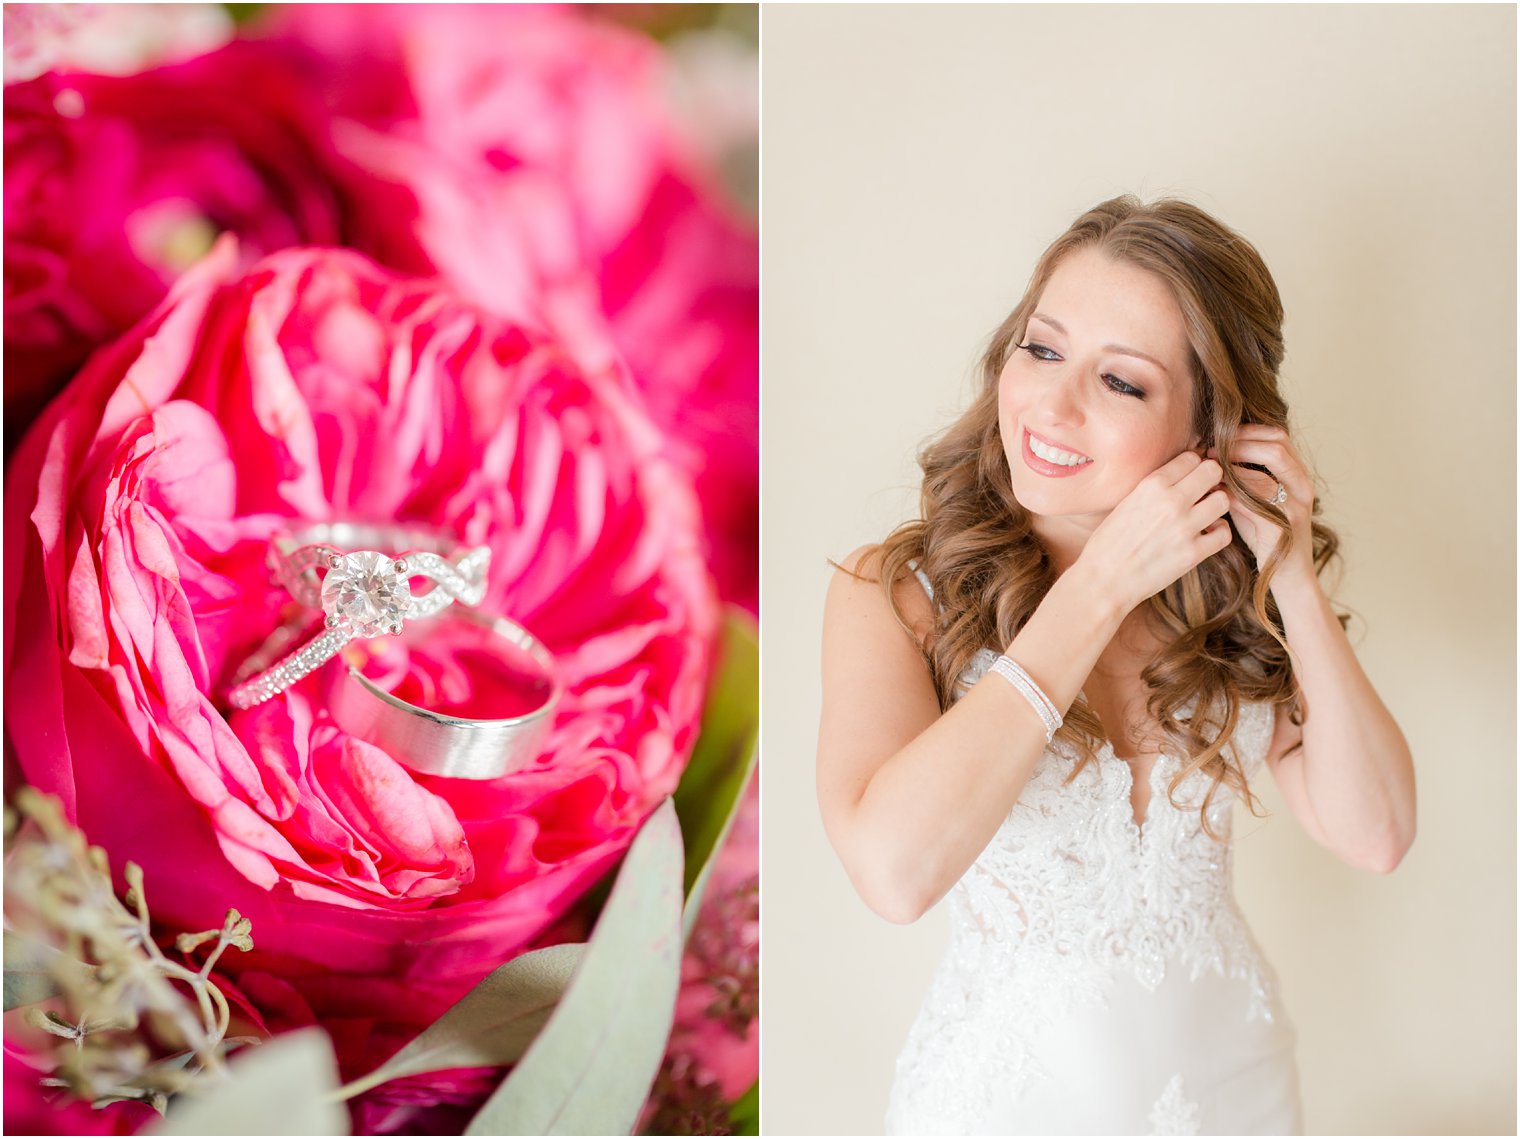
<point x="1119" y="348"/>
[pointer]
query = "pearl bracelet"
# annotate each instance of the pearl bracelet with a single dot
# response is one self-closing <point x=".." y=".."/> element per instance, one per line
<point x="1010" y="670"/>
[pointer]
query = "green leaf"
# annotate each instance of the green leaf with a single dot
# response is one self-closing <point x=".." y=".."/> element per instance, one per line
<point x="243" y="13"/>
<point x="283" y="1087"/>
<point x="745" y="1113"/>
<point x="724" y="759"/>
<point x="491" y="1025"/>
<point x="29" y="966"/>
<point x="590" y="1069"/>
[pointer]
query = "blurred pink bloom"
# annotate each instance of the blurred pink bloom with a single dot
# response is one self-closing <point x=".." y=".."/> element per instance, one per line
<point x="115" y="185"/>
<point x="546" y="160"/>
<point x="439" y="1103"/>
<point x="527" y="153"/>
<point x="31" y="1109"/>
<point x="320" y="386"/>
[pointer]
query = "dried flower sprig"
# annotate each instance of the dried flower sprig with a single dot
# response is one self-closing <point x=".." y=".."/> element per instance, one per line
<point x="690" y="1101"/>
<point x="726" y="948"/>
<point x="723" y="962"/>
<point x="126" y="1030"/>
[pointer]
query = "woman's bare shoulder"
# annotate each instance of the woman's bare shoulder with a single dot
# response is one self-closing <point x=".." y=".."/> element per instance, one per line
<point x="857" y="582"/>
<point x="876" y="684"/>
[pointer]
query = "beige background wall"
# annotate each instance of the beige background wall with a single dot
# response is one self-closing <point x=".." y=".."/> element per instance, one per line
<point x="915" y="162"/>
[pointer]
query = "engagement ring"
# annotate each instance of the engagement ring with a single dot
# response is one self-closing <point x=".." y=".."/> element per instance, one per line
<point x="364" y="592"/>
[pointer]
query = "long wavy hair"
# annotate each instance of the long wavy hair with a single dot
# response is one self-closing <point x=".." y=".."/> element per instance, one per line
<point x="989" y="571"/>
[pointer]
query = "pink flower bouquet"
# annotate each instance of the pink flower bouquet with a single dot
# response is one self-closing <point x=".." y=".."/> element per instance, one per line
<point x="452" y="270"/>
<point x="527" y="154"/>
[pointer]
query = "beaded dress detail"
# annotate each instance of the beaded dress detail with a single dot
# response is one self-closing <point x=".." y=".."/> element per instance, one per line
<point x="1100" y="977"/>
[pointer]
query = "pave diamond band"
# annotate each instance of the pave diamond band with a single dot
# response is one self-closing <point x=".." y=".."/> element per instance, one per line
<point x="364" y="592"/>
<point x="265" y="684"/>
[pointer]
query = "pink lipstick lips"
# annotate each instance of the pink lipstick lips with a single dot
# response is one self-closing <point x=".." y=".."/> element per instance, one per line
<point x="1044" y="466"/>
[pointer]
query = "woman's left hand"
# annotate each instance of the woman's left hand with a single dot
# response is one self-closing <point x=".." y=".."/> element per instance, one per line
<point x="1270" y="447"/>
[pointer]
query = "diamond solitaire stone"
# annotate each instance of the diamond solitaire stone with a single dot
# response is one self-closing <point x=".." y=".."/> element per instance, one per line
<point x="364" y="592"/>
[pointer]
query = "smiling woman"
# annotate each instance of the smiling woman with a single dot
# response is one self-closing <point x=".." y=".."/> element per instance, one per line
<point x="1074" y="391"/>
<point x="1044" y="696"/>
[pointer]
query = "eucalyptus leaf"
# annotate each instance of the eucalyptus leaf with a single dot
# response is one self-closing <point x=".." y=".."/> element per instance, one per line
<point x="744" y="1115"/>
<point x="29" y="966"/>
<point x="723" y="761"/>
<point x="282" y="1087"/>
<point x="491" y="1025"/>
<point x="698" y="888"/>
<point x="589" y="1071"/>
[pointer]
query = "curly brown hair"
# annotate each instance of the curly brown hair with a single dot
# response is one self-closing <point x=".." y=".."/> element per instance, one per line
<point x="989" y="571"/>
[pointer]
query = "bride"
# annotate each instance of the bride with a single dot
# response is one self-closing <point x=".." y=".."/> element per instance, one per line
<point x="1044" y="696"/>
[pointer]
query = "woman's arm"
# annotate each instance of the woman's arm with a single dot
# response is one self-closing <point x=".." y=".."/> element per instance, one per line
<point x="1351" y="785"/>
<point x="910" y="797"/>
<point x="1352" y="782"/>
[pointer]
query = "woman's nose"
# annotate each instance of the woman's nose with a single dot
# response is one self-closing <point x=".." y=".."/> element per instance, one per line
<point x="1061" y="401"/>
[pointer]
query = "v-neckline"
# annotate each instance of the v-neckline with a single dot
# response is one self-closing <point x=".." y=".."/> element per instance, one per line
<point x="1140" y="827"/>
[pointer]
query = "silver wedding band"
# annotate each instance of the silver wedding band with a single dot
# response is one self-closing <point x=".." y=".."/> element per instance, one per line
<point x="454" y="747"/>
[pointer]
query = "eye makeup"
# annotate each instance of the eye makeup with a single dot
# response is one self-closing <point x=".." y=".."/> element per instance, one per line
<point x="1110" y="381"/>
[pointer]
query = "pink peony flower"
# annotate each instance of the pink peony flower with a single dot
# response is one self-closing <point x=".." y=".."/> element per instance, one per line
<point x="115" y="185"/>
<point x="319" y="386"/>
<point x="529" y="154"/>
<point x="492" y="114"/>
<point x="682" y="298"/>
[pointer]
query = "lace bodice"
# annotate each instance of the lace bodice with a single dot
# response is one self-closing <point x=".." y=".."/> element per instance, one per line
<point x="1070" y="896"/>
<point x="1070" y="874"/>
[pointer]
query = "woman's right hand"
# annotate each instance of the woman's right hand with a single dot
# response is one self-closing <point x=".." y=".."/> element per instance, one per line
<point x="1172" y="521"/>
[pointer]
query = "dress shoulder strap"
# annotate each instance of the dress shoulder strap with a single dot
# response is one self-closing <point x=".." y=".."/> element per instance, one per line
<point x="979" y="664"/>
<point x="923" y="578"/>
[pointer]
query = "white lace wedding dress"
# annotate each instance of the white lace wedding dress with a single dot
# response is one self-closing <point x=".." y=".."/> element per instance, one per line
<point x="1100" y="978"/>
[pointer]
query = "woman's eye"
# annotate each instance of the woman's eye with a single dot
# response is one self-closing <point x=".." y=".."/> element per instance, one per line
<point x="1115" y="384"/>
<point x="1110" y="381"/>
